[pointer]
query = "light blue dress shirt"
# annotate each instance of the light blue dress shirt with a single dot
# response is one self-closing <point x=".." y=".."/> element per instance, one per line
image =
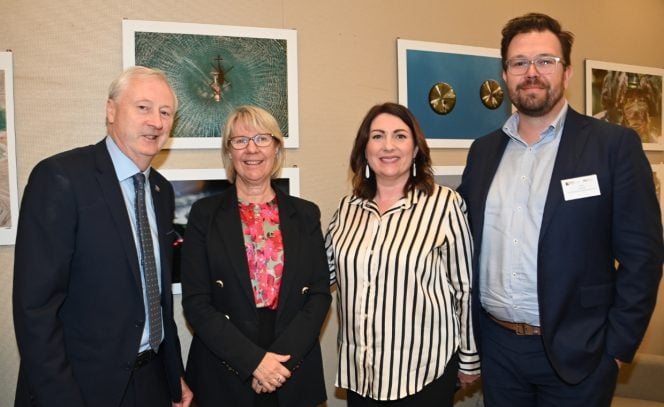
<point x="125" y="170"/>
<point x="512" y="221"/>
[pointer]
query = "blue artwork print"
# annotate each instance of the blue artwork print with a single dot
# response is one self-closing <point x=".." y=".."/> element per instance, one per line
<point x="470" y="118"/>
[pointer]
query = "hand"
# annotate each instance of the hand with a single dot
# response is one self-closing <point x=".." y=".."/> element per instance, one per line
<point x="467" y="380"/>
<point x="257" y="387"/>
<point x="271" y="373"/>
<point x="187" y="395"/>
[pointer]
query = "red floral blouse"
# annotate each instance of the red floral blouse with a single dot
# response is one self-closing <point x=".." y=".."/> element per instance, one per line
<point x="265" y="250"/>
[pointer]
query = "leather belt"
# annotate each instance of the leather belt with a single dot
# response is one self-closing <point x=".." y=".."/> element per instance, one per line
<point x="518" y="328"/>
<point x="144" y="358"/>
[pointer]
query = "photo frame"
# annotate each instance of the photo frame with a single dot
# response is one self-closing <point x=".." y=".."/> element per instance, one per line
<point x="428" y="74"/>
<point x="216" y="68"/>
<point x="448" y="175"/>
<point x="191" y="185"/>
<point x="8" y="181"/>
<point x="627" y="95"/>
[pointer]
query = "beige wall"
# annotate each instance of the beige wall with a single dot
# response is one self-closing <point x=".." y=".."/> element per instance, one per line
<point x="67" y="52"/>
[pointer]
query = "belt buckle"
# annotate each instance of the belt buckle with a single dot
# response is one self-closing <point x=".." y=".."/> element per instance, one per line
<point x="520" y="329"/>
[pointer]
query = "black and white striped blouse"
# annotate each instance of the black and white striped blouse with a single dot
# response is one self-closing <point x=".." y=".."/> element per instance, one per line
<point x="403" y="292"/>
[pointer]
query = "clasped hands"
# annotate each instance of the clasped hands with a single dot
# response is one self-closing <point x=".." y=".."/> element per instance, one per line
<point x="270" y="373"/>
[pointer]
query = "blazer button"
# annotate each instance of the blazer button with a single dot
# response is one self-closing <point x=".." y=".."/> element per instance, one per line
<point x="305" y="290"/>
<point x="219" y="283"/>
<point x="138" y="324"/>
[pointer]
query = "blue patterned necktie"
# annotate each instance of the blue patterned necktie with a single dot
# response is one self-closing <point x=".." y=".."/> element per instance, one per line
<point x="148" y="262"/>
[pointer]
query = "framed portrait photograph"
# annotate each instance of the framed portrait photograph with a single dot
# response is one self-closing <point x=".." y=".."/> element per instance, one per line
<point x="456" y="92"/>
<point x="215" y="69"/>
<point x="8" y="182"/>
<point x="448" y="175"/>
<point x="627" y="95"/>
<point x="190" y="185"/>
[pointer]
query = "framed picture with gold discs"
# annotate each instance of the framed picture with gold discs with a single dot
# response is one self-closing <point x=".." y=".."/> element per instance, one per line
<point x="456" y="92"/>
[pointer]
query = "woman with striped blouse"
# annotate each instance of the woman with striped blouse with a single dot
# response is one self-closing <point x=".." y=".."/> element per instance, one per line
<point x="399" y="250"/>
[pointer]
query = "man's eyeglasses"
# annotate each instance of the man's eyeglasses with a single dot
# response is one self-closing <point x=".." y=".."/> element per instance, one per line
<point x="241" y="142"/>
<point x="543" y="64"/>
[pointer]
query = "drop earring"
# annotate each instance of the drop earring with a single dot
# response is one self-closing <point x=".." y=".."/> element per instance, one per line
<point x="414" y="169"/>
<point x="367" y="173"/>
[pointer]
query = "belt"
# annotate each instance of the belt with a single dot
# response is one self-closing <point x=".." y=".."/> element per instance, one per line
<point x="518" y="328"/>
<point x="144" y="358"/>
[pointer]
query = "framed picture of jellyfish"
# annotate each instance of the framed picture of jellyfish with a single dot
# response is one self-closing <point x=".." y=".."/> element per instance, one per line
<point x="627" y="95"/>
<point x="8" y="184"/>
<point x="216" y="68"/>
<point x="456" y="92"/>
<point x="191" y="185"/>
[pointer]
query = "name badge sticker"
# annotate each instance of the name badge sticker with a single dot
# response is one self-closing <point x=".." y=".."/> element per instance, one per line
<point x="580" y="187"/>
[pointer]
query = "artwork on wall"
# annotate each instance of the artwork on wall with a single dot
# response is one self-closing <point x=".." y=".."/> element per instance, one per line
<point x="448" y="175"/>
<point x="456" y="92"/>
<point x="191" y="185"/>
<point x="216" y="68"/>
<point x="628" y="95"/>
<point x="8" y="184"/>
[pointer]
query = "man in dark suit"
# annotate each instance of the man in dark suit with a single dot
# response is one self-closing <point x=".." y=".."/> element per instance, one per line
<point x="568" y="235"/>
<point x="86" y="256"/>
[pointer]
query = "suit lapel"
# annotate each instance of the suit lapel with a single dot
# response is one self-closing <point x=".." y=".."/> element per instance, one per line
<point x="229" y="229"/>
<point x="164" y="217"/>
<point x="108" y="183"/>
<point x="572" y="142"/>
<point x="495" y="151"/>
<point x="291" y="239"/>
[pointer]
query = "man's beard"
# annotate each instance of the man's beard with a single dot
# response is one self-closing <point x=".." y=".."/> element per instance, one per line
<point x="535" y="106"/>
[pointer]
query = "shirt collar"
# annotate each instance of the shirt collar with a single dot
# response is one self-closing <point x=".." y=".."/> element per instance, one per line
<point x="552" y="131"/>
<point x="124" y="166"/>
<point x="405" y="203"/>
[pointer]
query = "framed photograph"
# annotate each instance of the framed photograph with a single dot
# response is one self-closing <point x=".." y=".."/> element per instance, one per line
<point x="658" y="177"/>
<point x="8" y="183"/>
<point x="456" y="92"/>
<point x="191" y="185"/>
<point x="216" y="68"/>
<point x="448" y="175"/>
<point x="627" y="95"/>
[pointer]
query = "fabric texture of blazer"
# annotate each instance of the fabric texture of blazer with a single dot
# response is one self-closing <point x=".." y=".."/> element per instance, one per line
<point x="599" y="258"/>
<point x="219" y="304"/>
<point x="78" y="300"/>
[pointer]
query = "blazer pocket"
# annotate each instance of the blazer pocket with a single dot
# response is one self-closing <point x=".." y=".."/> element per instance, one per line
<point x="597" y="295"/>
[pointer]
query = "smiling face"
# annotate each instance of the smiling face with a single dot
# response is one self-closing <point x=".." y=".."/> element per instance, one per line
<point x="390" y="150"/>
<point x="140" y="119"/>
<point x="253" y="165"/>
<point x="533" y="93"/>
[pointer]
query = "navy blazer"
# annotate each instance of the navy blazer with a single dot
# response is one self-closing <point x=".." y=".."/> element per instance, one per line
<point x="599" y="258"/>
<point x="219" y="303"/>
<point x="78" y="300"/>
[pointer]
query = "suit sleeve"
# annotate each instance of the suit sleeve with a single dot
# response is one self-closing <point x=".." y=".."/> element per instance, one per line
<point x="303" y="331"/>
<point x="637" y="244"/>
<point x="212" y="327"/>
<point x="45" y="244"/>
